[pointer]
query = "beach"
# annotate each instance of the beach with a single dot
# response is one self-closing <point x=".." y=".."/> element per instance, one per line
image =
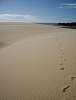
<point x="37" y="62"/>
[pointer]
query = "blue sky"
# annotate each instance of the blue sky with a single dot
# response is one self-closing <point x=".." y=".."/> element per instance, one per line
<point x="38" y="10"/>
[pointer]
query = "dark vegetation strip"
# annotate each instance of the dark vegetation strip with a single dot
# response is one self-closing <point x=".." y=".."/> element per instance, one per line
<point x="71" y="25"/>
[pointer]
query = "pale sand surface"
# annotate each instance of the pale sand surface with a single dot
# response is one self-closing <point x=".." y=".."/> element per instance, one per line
<point x="37" y="62"/>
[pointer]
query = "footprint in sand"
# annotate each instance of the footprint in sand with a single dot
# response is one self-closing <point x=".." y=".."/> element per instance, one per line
<point x="65" y="88"/>
<point x="61" y="64"/>
<point x="62" y="68"/>
<point x="73" y="78"/>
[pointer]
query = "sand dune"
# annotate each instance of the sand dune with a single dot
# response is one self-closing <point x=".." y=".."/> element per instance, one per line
<point x="37" y="62"/>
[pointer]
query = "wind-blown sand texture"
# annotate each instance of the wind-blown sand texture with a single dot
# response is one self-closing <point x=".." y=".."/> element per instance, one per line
<point x="37" y="62"/>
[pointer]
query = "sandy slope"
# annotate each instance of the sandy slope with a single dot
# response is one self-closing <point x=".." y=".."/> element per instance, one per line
<point x="39" y="63"/>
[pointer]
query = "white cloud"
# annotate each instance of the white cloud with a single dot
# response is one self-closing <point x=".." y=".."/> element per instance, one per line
<point x="68" y="5"/>
<point x="17" y="18"/>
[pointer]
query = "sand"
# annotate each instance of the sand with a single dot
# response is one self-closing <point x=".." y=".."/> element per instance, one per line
<point x="37" y="62"/>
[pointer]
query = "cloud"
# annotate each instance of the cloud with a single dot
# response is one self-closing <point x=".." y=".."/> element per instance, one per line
<point x="68" y="5"/>
<point x="17" y="18"/>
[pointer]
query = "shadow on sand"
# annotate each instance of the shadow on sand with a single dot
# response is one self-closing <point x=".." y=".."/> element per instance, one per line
<point x="3" y="44"/>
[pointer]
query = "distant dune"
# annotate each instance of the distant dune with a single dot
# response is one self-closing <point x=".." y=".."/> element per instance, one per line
<point x="37" y="62"/>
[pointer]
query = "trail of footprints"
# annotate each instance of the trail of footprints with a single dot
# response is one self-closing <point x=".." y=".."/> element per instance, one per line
<point x="61" y="65"/>
<point x="62" y="58"/>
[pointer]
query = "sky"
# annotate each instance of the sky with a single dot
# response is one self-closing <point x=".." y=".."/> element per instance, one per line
<point x="38" y="10"/>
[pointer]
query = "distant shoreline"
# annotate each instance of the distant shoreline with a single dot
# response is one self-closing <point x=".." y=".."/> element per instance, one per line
<point x="71" y="25"/>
